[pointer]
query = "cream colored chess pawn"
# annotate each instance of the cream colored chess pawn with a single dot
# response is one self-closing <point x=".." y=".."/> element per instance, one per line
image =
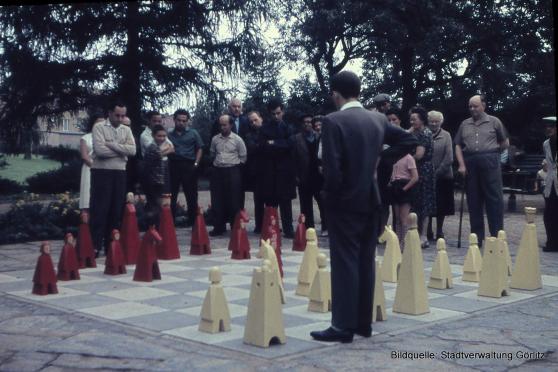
<point x="320" y="292"/>
<point x="215" y="316"/>
<point x="379" y="302"/>
<point x="441" y="276"/>
<point x="392" y="255"/>
<point x="264" y="322"/>
<point x="411" y="296"/>
<point x="309" y="265"/>
<point x="527" y="270"/>
<point x="268" y="253"/>
<point x="473" y="261"/>
<point x="502" y="239"/>
<point x="494" y="274"/>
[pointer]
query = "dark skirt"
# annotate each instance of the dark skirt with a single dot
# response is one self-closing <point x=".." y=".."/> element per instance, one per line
<point x="445" y="205"/>
<point x="396" y="194"/>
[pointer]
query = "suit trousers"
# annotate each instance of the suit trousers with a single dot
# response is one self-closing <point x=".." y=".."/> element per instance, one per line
<point x="286" y="213"/>
<point x="551" y="220"/>
<point x="306" y="194"/>
<point x="183" y="172"/>
<point x="352" y="245"/>
<point x="108" y="196"/>
<point x="484" y="190"/>
<point x="226" y="193"/>
<point x="258" y="210"/>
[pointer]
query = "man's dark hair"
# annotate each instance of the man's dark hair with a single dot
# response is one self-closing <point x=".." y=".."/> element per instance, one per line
<point x="115" y="102"/>
<point x="421" y="112"/>
<point x="274" y="103"/>
<point x="394" y="111"/>
<point x="157" y="128"/>
<point x="181" y="112"/>
<point x="318" y="118"/>
<point x="150" y="114"/>
<point x="304" y="116"/>
<point x="346" y="83"/>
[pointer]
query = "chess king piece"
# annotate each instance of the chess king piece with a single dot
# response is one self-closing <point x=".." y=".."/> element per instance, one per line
<point x="299" y="241"/>
<point x="44" y="279"/>
<point x="68" y="265"/>
<point x="441" y="276"/>
<point x="392" y="255"/>
<point x="503" y="240"/>
<point x="147" y="267"/>
<point x="130" y="239"/>
<point x="85" y="251"/>
<point x="115" y="265"/>
<point x="215" y="316"/>
<point x="527" y="271"/>
<point x="168" y="249"/>
<point x="494" y="274"/>
<point x="200" y="238"/>
<point x="473" y="261"/>
<point x="411" y="296"/>
<point x="309" y="264"/>
<point x="379" y="302"/>
<point x="267" y="221"/>
<point x="320" y="291"/>
<point x="268" y="253"/>
<point x="239" y="243"/>
<point x="241" y="216"/>
<point x="264" y="323"/>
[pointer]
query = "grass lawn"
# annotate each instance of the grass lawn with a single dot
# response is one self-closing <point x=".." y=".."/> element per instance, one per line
<point x="19" y="169"/>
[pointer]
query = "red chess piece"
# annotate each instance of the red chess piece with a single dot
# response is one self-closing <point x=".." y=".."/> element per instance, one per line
<point x="241" y="215"/>
<point x="85" y="251"/>
<point x="147" y="267"/>
<point x="270" y="212"/>
<point x="68" y="265"/>
<point x="44" y="279"/>
<point x="168" y="249"/>
<point x="299" y="241"/>
<point x="239" y="243"/>
<point x="130" y="236"/>
<point x="274" y="243"/>
<point x="115" y="265"/>
<point x="200" y="239"/>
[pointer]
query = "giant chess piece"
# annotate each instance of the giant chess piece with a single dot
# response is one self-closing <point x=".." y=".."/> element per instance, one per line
<point x="527" y="271"/>
<point x="239" y="243"/>
<point x="494" y="274"/>
<point x="392" y="255"/>
<point x="441" y="276"/>
<point x="267" y="221"/>
<point x="299" y="241"/>
<point x="168" y="249"/>
<point x="264" y="323"/>
<point x="200" y="238"/>
<point x="473" y="261"/>
<point x="130" y="239"/>
<point x="503" y="240"/>
<point x="85" y="251"/>
<point x="44" y="279"/>
<point x="115" y="265"/>
<point x="411" y="296"/>
<point x="147" y="267"/>
<point x="379" y="299"/>
<point x="241" y="216"/>
<point x="320" y="291"/>
<point x="68" y="265"/>
<point x="309" y="264"/>
<point x="215" y="316"/>
<point x="268" y="253"/>
<point x="275" y="241"/>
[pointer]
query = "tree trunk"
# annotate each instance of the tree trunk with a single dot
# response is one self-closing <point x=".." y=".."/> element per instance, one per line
<point x="410" y="94"/>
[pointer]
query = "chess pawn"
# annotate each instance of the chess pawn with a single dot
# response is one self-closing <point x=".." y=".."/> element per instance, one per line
<point x="268" y="253"/>
<point x="241" y="216"/>
<point x="168" y="249"/>
<point x="473" y="261"/>
<point x="527" y="272"/>
<point x="411" y="296"/>
<point x="68" y="265"/>
<point x="502" y="239"/>
<point x="147" y="267"/>
<point x="299" y="241"/>
<point x="115" y="265"/>
<point x="441" y="276"/>
<point x="239" y="243"/>
<point x="215" y="316"/>
<point x="264" y="322"/>
<point x="85" y="251"/>
<point x="130" y="236"/>
<point x="309" y="264"/>
<point x="200" y="238"/>
<point x="44" y="279"/>
<point x="392" y="255"/>
<point x="379" y="301"/>
<point x="320" y="291"/>
<point x="494" y="274"/>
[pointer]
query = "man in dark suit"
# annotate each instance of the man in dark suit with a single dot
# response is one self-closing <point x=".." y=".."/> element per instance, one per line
<point x="240" y="123"/>
<point x="352" y="141"/>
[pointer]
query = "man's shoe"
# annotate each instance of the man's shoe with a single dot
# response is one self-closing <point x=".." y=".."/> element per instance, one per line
<point x="331" y="335"/>
<point x="364" y="331"/>
<point x="216" y="232"/>
<point x="425" y="244"/>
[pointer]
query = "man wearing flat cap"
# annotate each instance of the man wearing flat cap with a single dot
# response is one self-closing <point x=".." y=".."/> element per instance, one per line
<point x="382" y="102"/>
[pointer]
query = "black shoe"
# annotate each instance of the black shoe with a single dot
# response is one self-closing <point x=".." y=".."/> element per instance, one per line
<point x="425" y="244"/>
<point x="546" y="249"/>
<point x="364" y="331"/>
<point x="216" y="232"/>
<point x="331" y="335"/>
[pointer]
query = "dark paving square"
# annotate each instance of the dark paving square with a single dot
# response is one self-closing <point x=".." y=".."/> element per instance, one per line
<point x="175" y="302"/>
<point x="162" y="321"/>
<point x="456" y="303"/>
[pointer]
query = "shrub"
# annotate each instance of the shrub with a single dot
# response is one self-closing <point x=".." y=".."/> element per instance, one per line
<point x="63" y="154"/>
<point x="8" y="186"/>
<point x="66" y="178"/>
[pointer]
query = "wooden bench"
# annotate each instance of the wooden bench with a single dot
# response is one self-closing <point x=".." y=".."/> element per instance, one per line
<point x="521" y="178"/>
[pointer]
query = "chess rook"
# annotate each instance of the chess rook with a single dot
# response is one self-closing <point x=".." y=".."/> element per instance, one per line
<point x="494" y="274"/>
<point x="320" y="291"/>
<point x="44" y="278"/>
<point x="473" y="261"/>
<point x="527" y="271"/>
<point x="441" y="276"/>
<point x="215" y="316"/>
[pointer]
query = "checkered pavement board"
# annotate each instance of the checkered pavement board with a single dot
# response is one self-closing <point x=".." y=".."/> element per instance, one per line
<point x="172" y="306"/>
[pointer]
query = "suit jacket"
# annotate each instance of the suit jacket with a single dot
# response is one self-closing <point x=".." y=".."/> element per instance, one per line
<point x="352" y="141"/>
<point x="243" y="124"/>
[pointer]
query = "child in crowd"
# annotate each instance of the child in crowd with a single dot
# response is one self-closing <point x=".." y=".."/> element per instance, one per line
<point x="156" y="169"/>
<point x="541" y="177"/>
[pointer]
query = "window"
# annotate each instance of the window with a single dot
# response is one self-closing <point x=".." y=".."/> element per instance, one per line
<point x="65" y="125"/>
